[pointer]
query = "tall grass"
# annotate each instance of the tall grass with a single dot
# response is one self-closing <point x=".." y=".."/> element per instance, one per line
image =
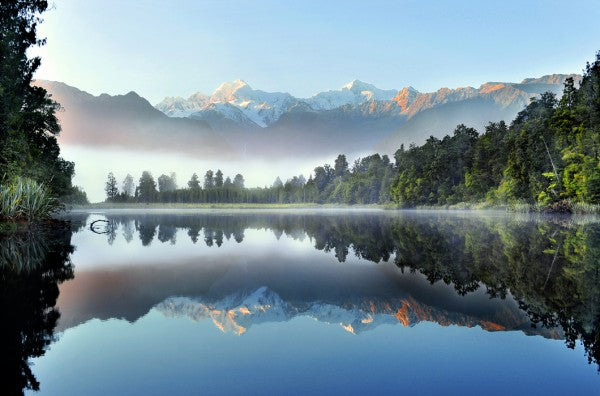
<point x="25" y="199"/>
<point x="22" y="252"/>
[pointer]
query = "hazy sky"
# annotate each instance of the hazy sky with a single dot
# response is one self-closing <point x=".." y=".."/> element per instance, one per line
<point x="175" y="48"/>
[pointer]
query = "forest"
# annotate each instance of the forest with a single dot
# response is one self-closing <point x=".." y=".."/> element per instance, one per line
<point x="34" y="179"/>
<point x="367" y="181"/>
<point x="546" y="158"/>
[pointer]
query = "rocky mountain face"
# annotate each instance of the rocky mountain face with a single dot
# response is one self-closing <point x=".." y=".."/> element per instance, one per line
<point x="265" y="108"/>
<point x="235" y="101"/>
<point x="237" y="120"/>
<point x="358" y="115"/>
<point x="238" y="312"/>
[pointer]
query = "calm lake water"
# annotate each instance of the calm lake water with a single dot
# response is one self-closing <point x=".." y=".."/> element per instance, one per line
<point x="303" y="302"/>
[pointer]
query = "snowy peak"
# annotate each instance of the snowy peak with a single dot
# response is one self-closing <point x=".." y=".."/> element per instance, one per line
<point x="354" y="93"/>
<point x="235" y="101"/>
<point x="238" y="312"/>
<point x="358" y="86"/>
<point x="237" y="104"/>
<point x="231" y="91"/>
<point x="180" y="107"/>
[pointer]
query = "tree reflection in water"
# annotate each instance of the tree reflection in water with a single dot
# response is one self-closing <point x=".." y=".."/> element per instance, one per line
<point x="32" y="264"/>
<point x="550" y="265"/>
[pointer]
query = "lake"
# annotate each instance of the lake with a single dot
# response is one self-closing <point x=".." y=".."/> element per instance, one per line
<point x="303" y="302"/>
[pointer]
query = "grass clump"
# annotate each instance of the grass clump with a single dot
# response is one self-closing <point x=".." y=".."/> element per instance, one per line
<point x="25" y="199"/>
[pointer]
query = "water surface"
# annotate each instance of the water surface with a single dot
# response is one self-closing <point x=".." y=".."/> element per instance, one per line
<point x="304" y="302"/>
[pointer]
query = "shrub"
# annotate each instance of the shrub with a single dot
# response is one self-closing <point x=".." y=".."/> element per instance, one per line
<point x="76" y="197"/>
<point x="25" y="199"/>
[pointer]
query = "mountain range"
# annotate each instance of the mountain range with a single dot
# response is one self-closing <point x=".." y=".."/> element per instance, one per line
<point x="237" y="120"/>
<point x="236" y="313"/>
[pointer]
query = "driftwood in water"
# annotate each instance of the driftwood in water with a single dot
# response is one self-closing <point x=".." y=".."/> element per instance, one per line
<point x="97" y="221"/>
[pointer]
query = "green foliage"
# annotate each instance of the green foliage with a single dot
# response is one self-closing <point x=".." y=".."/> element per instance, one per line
<point x="238" y="181"/>
<point x="76" y="197"/>
<point x="28" y="125"/>
<point x="146" y="191"/>
<point x="219" y="178"/>
<point x="194" y="183"/>
<point x="23" y="198"/>
<point x="111" y="188"/>
<point x="434" y="173"/>
<point x="549" y="156"/>
<point x="367" y="183"/>
<point x="209" y="179"/>
<point x="167" y="183"/>
<point x="489" y="159"/>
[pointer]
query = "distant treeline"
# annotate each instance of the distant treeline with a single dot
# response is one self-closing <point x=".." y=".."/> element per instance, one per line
<point x="367" y="181"/>
<point x="549" y="156"/>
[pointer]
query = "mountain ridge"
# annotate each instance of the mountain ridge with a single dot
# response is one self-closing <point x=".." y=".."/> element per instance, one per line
<point x="269" y="106"/>
<point x="237" y="121"/>
<point x="238" y="312"/>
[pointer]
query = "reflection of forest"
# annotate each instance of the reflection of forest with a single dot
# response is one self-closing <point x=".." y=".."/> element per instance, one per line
<point x="549" y="265"/>
<point x="32" y="264"/>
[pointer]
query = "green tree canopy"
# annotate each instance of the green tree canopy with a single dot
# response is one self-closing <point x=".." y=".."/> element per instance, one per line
<point x="147" y="187"/>
<point x="28" y="124"/>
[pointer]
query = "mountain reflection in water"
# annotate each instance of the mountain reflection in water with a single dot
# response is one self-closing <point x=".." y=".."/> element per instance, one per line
<point x="353" y="269"/>
<point x="548" y="265"/>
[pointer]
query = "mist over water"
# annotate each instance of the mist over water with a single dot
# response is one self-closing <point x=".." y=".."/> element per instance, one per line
<point x="172" y="301"/>
<point x="93" y="165"/>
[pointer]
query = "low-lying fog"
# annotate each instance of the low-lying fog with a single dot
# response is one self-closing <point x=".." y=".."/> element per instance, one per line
<point x="92" y="166"/>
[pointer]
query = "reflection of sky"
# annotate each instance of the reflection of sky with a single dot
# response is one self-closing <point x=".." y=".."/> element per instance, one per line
<point x="173" y="354"/>
<point x="158" y="355"/>
<point x="256" y="243"/>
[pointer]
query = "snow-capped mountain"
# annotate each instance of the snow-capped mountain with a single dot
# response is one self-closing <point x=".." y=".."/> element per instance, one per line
<point x="354" y="93"/>
<point x="238" y="312"/>
<point x="176" y="106"/>
<point x="241" y="121"/>
<point x="235" y="101"/>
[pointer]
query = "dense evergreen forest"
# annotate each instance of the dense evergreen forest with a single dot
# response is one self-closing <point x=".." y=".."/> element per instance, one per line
<point x="367" y="181"/>
<point x="547" y="157"/>
<point x="31" y="169"/>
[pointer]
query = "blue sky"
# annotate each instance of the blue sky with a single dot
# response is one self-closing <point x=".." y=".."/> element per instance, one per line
<point x="175" y="48"/>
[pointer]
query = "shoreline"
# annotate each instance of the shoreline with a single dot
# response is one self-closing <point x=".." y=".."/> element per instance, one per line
<point x="575" y="209"/>
<point x="156" y="205"/>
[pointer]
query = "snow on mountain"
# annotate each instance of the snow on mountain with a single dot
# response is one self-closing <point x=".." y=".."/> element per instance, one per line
<point x="226" y="111"/>
<point x="238" y="312"/>
<point x="236" y="103"/>
<point x="180" y="107"/>
<point x="354" y="93"/>
<point x="255" y="106"/>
